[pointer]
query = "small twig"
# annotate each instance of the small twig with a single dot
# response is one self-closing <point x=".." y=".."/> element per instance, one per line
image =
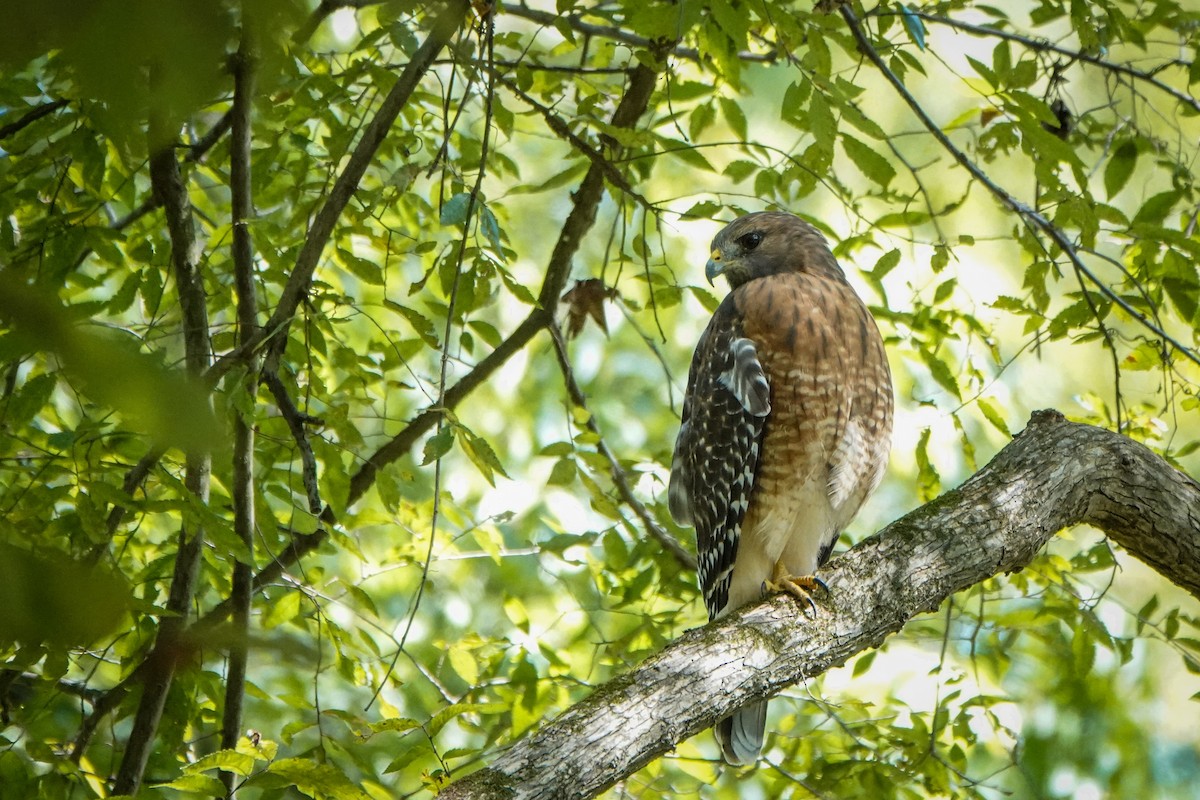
<point x="486" y="45"/>
<point x="31" y="116"/>
<point x="619" y="478"/>
<point x="563" y="131"/>
<point x="199" y="149"/>
<point x="296" y="420"/>
<point x="619" y="35"/>
<point x="1045" y="46"/>
<point x="134" y="478"/>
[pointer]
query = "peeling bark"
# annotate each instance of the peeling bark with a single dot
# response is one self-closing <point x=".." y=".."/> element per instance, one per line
<point x="1053" y="475"/>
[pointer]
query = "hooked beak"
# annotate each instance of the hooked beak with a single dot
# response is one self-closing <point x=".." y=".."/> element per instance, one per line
<point x="714" y="267"/>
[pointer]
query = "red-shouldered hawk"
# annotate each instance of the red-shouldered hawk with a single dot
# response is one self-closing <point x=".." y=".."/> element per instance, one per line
<point x="786" y="425"/>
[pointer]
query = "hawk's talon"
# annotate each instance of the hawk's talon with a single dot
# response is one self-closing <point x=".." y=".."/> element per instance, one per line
<point x="798" y="586"/>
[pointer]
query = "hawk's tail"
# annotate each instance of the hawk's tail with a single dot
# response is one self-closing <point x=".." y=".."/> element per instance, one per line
<point x="741" y="734"/>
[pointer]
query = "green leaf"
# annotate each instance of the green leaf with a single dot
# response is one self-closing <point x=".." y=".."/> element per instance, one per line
<point x="454" y="212"/>
<point x="984" y="71"/>
<point x="282" y="610"/>
<point x="821" y="122"/>
<point x="234" y="761"/>
<point x="197" y="784"/>
<point x="394" y="725"/>
<point x="482" y="456"/>
<point x="464" y="663"/>
<point x="1120" y="166"/>
<point x="439" y="720"/>
<point x="319" y="781"/>
<point x="437" y="445"/>
<point x="886" y="263"/>
<point x="491" y="229"/>
<point x="706" y="298"/>
<point x="1154" y="211"/>
<point x="563" y="473"/>
<point x="929" y="483"/>
<point x="26" y="403"/>
<point x="734" y="116"/>
<point x="869" y="161"/>
<point x="991" y="412"/>
<point x="944" y="290"/>
<point x="863" y="663"/>
<point x="421" y="324"/>
<point x="57" y="600"/>
<point x="941" y="373"/>
<point x="517" y="289"/>
<point x="366" y="271"/>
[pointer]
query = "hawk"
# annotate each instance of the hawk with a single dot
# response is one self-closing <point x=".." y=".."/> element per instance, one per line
<point x="786" y="425"/>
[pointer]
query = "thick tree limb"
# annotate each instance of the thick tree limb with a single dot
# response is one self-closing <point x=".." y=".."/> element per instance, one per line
<point x="1053" y="475"/>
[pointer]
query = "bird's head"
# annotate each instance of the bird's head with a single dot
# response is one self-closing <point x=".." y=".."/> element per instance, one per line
<point x="767" y="243"/>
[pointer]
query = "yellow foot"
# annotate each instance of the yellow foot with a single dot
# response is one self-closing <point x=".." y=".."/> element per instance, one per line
<point x="798" y="586"/>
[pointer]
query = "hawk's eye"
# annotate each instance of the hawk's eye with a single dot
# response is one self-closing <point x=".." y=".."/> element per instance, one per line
<point x="750" y="240"/>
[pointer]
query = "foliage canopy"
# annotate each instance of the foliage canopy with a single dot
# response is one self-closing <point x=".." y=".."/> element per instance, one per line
<point x="343" y="347"/>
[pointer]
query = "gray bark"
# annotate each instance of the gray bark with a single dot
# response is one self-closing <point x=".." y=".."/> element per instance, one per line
<point x="1053" y="475"/>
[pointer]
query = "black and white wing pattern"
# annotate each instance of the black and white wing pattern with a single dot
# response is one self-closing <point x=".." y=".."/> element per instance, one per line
<point x="717" y="450"/>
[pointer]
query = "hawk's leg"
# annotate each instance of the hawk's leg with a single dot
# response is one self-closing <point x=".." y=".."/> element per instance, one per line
<point x="798" y="586"/>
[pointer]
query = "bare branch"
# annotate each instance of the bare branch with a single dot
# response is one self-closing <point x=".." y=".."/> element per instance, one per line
<point x="296" y="421"/>
<point x="1053" y="475"/>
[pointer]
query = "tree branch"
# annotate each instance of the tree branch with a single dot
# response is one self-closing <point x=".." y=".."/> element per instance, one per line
<point x="1053" y="475"/>
<point x="1030" y="216"/>
<point x="583" y="214"/>
<point x="296" y="420"/>
<point x="1045" y="46"/>
<point x="576" y="23"/>
<point x="442" y="28"/>
<point x="241" y="594"/>
<point x="31" y="116"/>
<point x="564" y="132"/>
<point x="171" y="191"/>
<point x="586" y="200"/>
<point x="619" y="479"/>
